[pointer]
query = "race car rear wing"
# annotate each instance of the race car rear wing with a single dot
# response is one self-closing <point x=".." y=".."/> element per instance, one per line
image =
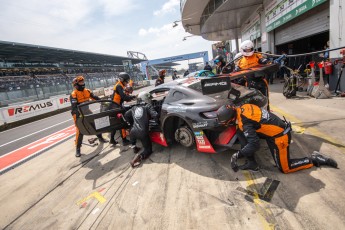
<point x="223" y="82"/>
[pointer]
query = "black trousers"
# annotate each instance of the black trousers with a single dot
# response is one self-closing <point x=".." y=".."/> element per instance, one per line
<point x="147" y="145"/>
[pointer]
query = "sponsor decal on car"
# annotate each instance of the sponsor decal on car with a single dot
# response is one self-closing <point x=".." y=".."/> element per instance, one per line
<point x="177" y="109"/>
<point x="200" y="139"/>
<point x="200" y="124"/>
<point x="215" y="84"/>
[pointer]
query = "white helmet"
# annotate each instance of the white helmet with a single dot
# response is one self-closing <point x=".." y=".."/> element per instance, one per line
<point x="144" y="97"/>
<point x="247" y="48"/>
<point x="237" y="55"/>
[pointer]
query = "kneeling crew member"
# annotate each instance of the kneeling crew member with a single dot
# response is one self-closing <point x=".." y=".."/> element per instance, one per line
<point x="254" y="123"/>
<point x="139" y="117"/>
<point x="80" y="95"/>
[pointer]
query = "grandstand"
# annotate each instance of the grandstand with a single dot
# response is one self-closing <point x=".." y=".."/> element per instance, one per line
<point x="32" y="72"/>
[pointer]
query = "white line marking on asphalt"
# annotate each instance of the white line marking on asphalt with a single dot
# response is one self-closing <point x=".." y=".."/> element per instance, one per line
<point x="34" y="133"/>
<point x="31" y="123"/>
<point x="95" y="211"/>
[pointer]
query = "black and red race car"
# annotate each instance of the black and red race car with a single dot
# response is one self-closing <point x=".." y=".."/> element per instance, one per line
<point x="187" y="112"/>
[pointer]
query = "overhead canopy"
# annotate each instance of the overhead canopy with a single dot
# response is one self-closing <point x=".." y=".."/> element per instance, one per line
<point x="18" y="52"/>
<point x="217" y="20"/>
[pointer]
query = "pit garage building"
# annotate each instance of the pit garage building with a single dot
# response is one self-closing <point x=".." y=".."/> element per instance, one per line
<point x="292" y="26"/>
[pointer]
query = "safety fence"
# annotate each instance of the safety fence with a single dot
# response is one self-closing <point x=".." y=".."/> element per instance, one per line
<point x="17" y="112"/>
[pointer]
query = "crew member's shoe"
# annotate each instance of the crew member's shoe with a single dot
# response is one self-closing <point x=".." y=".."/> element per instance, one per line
<point x="126" y="142"/>
<point x="113" y="143"/>
<point x="136" y="160"/>
<point x="77" y="153"/>
<point x="102" y="140"/>
<point x="250" y="165"/>
<point x="146" y="155"/>
<point x="319" y="159"/>
<point x="136" y="149"/>
<point x="233" y="161"/>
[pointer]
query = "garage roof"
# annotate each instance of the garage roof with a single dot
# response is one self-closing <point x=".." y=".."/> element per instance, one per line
<point x="217" y="20"/>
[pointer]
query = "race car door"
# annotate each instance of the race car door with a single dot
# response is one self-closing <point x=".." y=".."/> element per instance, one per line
<point x="99" y="117"/>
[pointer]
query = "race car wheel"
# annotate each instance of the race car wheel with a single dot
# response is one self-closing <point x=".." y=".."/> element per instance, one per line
<point x="184" y="136"/>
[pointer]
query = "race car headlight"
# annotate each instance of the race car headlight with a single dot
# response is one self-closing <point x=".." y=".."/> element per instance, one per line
<point x="210" y="115"/>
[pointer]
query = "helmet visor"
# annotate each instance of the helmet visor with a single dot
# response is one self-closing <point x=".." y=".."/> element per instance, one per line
<point x="248" y="50"/>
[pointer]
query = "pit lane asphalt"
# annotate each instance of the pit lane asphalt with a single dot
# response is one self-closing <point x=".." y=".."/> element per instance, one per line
<point x="178" y="188"/>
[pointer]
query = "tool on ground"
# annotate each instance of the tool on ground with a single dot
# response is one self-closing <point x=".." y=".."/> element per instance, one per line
<point x="320" y="91"/>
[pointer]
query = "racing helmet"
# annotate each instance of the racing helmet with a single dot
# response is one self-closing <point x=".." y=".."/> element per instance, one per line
<point x="162" y="72"/>
<point x="238" y="55"/>
<point x="78" y="83"/>
<point x="226" y="114"/>
<point x="124" y="77"/>
<point x="218" y="58"/>
<point x="247" y="48"/>
<point x="144" y="97"/>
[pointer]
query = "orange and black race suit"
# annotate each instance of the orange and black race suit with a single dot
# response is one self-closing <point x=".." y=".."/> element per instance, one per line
<point x="77" y="97"/>
<point x="159" y="81"/>
<point x="255" y="123"/>
<point x="257" y="82"/>
<point x="119" y="96"/>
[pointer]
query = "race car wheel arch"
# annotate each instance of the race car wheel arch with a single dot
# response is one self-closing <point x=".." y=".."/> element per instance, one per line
<point x="177" y="130"/>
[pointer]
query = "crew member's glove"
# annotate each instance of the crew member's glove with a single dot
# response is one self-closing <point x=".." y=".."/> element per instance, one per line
<point x="263" y="61"/>
<point x="237" y="68"/>
<point x="233" y="161"/>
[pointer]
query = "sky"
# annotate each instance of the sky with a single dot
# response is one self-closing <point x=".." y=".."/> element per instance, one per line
<point x="101" y="26"/>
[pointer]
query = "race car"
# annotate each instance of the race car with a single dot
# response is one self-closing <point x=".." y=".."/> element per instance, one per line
<point x="187" y="113"/>
<point x="201" y="73"/>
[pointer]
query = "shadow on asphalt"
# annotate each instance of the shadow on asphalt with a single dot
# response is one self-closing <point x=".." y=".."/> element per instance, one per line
<point x="292" y="186"/>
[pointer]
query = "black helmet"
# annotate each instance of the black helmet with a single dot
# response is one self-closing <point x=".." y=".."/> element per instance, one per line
<point x="226" y="114"/>
<point x="218" y="58"/>
<point x="123" y="76"/>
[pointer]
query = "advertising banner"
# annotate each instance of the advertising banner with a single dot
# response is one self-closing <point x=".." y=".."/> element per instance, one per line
<point x="98" y="92"/>
<point x="108" y="91"/>
<point x="285" y="10"/>
<point x="63" y="101"/>
<point x="20" y="112"/>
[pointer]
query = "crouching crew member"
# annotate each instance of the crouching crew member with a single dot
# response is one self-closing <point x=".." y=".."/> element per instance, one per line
<point x="80" y="95"/>
<point x="138" y="117"/>
<point x="254" y="123"/>
<point x="119" y="97"/>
